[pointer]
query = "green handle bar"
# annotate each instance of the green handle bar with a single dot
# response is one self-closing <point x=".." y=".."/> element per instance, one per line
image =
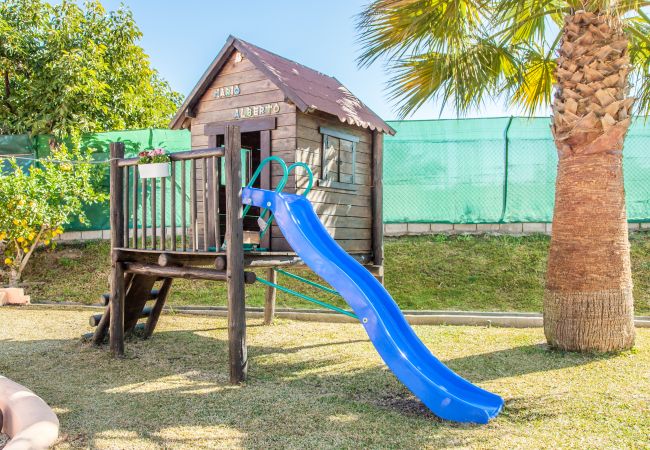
<point x="310" y="184"/>
<point x="256" y="174"/>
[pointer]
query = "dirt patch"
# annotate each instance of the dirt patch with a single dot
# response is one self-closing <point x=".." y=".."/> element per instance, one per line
<point x="407" y="404"/>
<point x="3" y="440"/>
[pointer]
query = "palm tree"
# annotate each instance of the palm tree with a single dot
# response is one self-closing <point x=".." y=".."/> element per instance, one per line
<point x="587" y="53"/>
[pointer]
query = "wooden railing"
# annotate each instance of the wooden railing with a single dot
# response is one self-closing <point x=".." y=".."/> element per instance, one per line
<point x="160" y="214"/>
<point x="124" y="209"/>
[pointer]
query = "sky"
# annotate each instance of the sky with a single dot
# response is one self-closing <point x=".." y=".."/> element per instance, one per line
<point x="183" y="37"/>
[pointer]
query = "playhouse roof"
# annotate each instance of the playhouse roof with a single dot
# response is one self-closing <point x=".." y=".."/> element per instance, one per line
<point x="307" y="88"/>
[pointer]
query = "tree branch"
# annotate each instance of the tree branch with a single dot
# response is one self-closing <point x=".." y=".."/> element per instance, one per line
<point x="8" y="93"/>
<point x="26" y="256"/>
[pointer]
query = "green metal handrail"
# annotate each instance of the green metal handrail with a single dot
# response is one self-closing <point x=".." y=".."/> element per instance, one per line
<point x="306" y="281"/>
<point x="310" y="184"/>
<point x="256" y="174"/>
<point x="310" y="174"/>
<point x="278" y="189"/>
<point x="308" y="298"/>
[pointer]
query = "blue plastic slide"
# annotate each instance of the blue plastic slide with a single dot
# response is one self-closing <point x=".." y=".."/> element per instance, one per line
<point x="444" y="392"/>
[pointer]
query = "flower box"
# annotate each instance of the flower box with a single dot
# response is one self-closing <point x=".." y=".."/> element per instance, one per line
<point x="154" y="170"/>
<point x="153" y="163"/>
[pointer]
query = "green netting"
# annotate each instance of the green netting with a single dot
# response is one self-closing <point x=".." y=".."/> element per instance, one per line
<point x="444" y="171"/>
<point x="490" y="171"/>
<point x="447" y="171"/>
<point x="532" y="166"/>
<point x="134" y="142"/>
<point x="636" y="168"/>
<point x="15" y="145"/>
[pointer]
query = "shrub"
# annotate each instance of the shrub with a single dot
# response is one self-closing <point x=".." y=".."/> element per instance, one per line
<point x="38" y="202"/>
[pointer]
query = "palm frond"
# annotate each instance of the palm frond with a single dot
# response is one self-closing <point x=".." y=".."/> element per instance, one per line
<point x="526" y="21"/>
<point x="617" y="7"/>
<point x="532" y="87"/>
<point x="638" y="30"/>
<point x="392" y="28"/>
<point x="466" y="76"/>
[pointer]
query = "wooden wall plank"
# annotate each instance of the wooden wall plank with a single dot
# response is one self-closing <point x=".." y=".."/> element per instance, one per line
<point x="349" y="245"/>
<point x="218" y="116"/>
<point x="240" y="101"/>
<point x="243" y="77"/>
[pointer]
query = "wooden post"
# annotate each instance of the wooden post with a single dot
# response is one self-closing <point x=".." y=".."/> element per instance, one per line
<point x="135" y="207"/>
<point x="269" y="299"/>
<point x="184" y="207"/>
<point x="163" y="213"/>
<point x="193" y="212"/>
<point x="154" y="213"/>
<point x="235" y="257"/>
<point x="117" y="238"/>
<point x="144" y="213"/>
<point x="377" y="202"/>
<point x="173" y="205"/>
<point x="125" y="205"/>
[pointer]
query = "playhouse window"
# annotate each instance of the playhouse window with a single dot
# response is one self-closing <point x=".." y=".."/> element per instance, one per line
<point x="338" y="159"/>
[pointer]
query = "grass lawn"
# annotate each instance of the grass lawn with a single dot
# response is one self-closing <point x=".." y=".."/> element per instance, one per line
<point x="317" y="385"/>
<point x="480" y="273"/>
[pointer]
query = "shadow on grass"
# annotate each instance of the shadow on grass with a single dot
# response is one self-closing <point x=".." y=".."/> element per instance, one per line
<point x="174" y="387"/>
<point x="519" y="361"/>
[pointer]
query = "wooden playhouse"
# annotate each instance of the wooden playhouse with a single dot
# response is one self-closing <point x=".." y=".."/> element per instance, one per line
<point x="293" y="112"/>
<point x="250" y="104"/>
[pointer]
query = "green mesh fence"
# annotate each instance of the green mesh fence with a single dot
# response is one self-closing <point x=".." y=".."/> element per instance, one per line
<point x="134" y="142"/>
<point x="490" y="171"/>
<point x="448" y="171"/>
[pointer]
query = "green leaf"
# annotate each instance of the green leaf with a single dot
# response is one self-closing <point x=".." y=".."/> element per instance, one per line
<point x="69" y="68"/>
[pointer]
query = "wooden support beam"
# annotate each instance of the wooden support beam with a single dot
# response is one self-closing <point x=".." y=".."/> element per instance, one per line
<point x="116" y="316"/>
<point x="235" y="257"/>
<point x="102" y="326"/>
<point x="377" y="194"/>
<point x="155" y="312"/>
<point x="117" y="195"/>
<point x="167" y="260"/>
<point x="218" y="259"/>
<point x="270" y="295"/>
<point x="117" y="239"/>
<point x="136" y="297"/>
<point x="106" y="298"/>
<point x="197" y="273"/>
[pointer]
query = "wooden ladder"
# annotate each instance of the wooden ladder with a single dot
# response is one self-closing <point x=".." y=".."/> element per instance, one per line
<point x="138" y="291"/>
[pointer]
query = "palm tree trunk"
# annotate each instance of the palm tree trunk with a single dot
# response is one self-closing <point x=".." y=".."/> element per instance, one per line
<point x="588" y="304"/>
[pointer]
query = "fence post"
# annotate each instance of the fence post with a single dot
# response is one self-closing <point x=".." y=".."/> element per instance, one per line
<point x="506" y="155"/>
